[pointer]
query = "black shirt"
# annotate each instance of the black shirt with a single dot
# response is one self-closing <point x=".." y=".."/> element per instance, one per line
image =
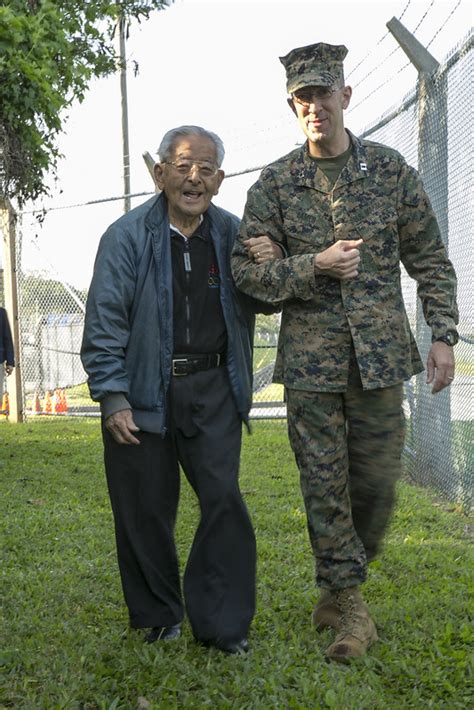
<point x="198" y="321"/>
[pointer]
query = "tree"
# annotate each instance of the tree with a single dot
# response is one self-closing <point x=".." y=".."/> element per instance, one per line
<point x="42" y="295"/>
<point x="49" y="50"/>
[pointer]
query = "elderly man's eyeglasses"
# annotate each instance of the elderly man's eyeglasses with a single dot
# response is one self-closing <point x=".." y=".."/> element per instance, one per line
<point x="306" y="97"/>
<point x="185" y="167"/>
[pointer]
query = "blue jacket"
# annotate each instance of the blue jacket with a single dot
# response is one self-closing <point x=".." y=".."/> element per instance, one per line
<point x="6" y="341"/>
<point x="127" y="345"/>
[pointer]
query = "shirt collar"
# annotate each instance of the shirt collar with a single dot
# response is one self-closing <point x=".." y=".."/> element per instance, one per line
<point x="197" y="232"/>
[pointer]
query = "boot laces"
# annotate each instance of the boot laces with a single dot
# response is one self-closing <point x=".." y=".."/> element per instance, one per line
<point x="352" y="621"/>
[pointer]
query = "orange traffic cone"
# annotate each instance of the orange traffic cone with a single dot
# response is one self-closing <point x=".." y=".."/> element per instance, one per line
<point x="63" y="401"/>
<point x="5" y="404"/>
<point x="55" y="402"/>
<point x="36" y="404"/>
<point x="59" y="399"/>
<point x="48" y="403"/>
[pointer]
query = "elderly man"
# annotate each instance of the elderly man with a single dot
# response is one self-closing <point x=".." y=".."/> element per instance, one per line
<point x="168" y="348"/>
<point x="348" y="211"/>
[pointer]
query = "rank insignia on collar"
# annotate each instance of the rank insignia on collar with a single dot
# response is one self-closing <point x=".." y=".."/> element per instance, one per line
<point x="363" y="166"/>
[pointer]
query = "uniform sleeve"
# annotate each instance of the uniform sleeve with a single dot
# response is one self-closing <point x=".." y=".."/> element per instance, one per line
<point x="248" y="303"/>
<point x="106" y="327"/>
<point x="424" y="256"/>
<point x="275" y="281"/>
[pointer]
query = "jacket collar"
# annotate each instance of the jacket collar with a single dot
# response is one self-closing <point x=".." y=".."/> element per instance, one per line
<point x="356" y="167"/>
<point x="304" y="169"/>
<point x="157" y="216"/>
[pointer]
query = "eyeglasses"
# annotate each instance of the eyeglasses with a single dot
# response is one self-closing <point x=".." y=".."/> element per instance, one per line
<point x="185" y="167"/>
<point x="306" y="97"/>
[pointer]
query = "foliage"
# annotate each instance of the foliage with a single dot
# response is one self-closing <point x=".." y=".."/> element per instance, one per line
<point x="42" y="295"/>
<point x="49" y="51"/>
<point x="268" y="327"/>
<point x="65" y="641"/>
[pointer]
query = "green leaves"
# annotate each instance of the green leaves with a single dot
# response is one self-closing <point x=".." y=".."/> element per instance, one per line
<point x="49" y="51"/>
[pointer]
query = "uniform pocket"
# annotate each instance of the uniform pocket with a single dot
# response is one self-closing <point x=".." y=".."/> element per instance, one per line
<point x="381" y="248"/>
<point x="308" y="223"/>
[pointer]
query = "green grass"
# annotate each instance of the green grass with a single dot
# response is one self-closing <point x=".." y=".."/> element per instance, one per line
<point x="263" y="356"/>
<point x="65" y="639"/>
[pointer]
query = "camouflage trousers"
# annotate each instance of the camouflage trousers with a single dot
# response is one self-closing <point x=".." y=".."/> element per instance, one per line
<point x="348" y="448"/>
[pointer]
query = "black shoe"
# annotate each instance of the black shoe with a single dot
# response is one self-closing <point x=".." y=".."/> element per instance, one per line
<point x="163" y="633"/>
<point x="240" y="646"/>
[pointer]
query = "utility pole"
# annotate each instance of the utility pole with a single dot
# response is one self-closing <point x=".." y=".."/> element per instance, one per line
<point x="123" y="94"/>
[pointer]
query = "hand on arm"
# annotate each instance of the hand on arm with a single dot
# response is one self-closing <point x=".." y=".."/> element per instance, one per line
<point x="262" y="249"/>
<point x="440" y="366"/>
<point x="121" y="425"/>
<point x="340" y="260"/>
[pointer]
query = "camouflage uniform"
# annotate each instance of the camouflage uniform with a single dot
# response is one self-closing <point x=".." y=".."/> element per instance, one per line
<point x="345" y="347"/>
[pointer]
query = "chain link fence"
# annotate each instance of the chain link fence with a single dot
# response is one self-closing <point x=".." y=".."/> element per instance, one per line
<point x="433" y="130"/>
<point x="439" y="442"/>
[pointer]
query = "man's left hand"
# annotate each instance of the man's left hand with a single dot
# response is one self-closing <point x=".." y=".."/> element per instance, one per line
<point x="262" y="249"/>
<point x="440" y="366"/>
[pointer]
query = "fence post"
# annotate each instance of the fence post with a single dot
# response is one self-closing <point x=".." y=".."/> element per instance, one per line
<point x="433" y="413"/>
<point x="7" y="226"/>
<point x="150" y="163"/>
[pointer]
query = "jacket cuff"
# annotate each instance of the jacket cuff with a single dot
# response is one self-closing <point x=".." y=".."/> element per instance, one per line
<point x="113" y="403"/>
<point x="439" y="329"/>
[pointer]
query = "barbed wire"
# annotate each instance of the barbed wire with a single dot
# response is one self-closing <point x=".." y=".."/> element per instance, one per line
<point x="398" y="72"/>
<point x="43" y="211"/>
<point x="444" y="23"/>
<point x="371" y="51"/>
<point x="376" y="68"/>
<point x="424" y="16"/>
<point x="394" y="51"/>
<point x="377" y="88"/>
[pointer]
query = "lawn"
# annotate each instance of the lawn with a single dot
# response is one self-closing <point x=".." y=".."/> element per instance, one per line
<point x="65" y="638"/>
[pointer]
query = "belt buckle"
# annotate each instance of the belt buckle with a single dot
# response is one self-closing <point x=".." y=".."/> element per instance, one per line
<point x="174" y="362"/>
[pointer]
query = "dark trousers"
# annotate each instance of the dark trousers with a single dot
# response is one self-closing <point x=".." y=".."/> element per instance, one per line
<point x="219" y="580"/>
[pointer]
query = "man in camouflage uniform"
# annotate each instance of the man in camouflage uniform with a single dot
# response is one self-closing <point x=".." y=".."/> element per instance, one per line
<point x="347" y="211"/>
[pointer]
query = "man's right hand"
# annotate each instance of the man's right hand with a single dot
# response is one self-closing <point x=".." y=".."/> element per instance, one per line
<point x="121" y="425"/>
<point x="341" y="260"/>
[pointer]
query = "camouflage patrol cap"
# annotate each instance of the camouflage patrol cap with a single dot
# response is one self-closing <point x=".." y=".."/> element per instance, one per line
<point x="314" y="65"/>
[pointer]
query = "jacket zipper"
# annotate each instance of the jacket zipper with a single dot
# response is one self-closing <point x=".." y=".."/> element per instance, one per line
<point x="187" y="271"/>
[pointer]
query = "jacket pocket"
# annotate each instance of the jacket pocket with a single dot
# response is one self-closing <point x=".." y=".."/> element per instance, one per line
<point x="381" y="248"/>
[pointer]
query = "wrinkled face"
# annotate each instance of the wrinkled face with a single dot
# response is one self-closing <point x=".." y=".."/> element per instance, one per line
<point x="320" y="115"/>
<point x="190" y="178"/>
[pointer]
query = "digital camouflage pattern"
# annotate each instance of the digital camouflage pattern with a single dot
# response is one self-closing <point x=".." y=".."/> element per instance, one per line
<point x="348" y="476"/>
<point x="314" y="65"/>
<point x="377" y="197"/>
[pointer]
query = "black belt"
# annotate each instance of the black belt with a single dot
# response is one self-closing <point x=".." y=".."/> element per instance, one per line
<point x="189" y="364"/>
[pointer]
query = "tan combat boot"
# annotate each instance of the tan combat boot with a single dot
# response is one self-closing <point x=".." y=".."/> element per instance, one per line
<point x="326" y="613"/>
<point x="357" y="630"/>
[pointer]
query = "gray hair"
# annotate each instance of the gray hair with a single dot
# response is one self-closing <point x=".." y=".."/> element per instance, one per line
<point x="166" y="148"/>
